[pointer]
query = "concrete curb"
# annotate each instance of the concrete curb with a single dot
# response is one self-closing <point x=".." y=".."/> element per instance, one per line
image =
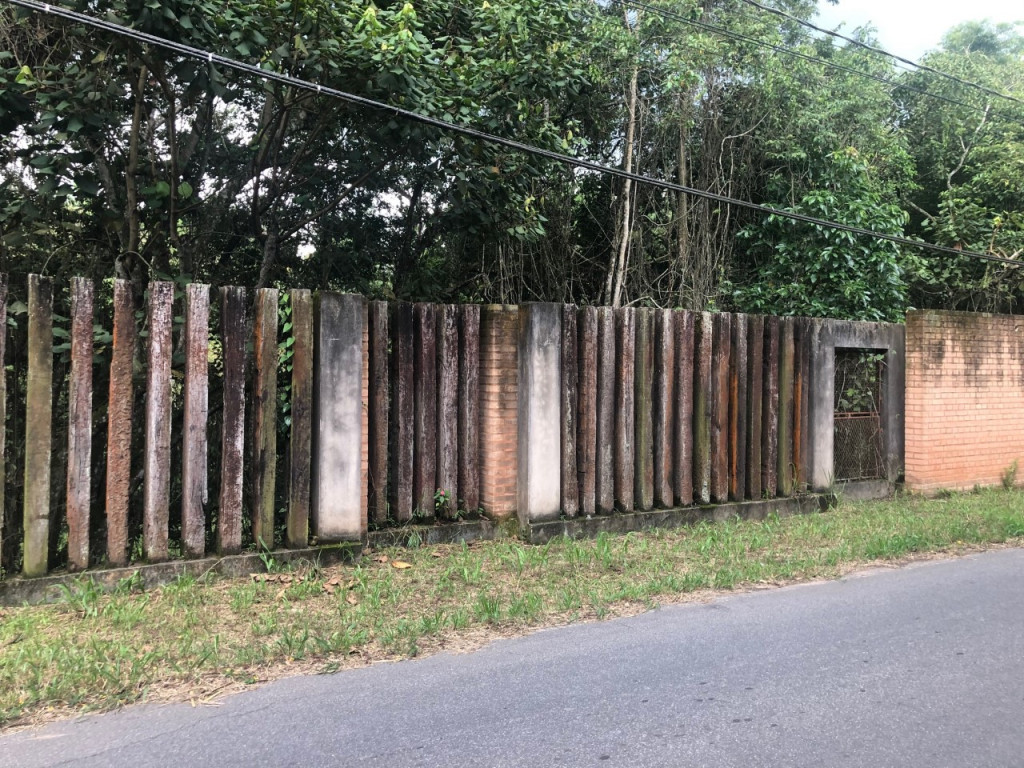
<point x="46" y="589"/>
<point x="588" y="527"/>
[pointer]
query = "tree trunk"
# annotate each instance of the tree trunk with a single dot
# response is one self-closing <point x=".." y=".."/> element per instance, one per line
<point x="618" y="276"/>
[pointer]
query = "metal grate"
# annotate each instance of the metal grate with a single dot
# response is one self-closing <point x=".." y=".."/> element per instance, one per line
<point x="857" y="430"/>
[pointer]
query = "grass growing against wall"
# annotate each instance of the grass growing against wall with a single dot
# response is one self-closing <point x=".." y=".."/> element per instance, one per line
<point x="196" y="640"/>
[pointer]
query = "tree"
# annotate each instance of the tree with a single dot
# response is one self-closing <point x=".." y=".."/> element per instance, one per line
<point x="969" y="159"/>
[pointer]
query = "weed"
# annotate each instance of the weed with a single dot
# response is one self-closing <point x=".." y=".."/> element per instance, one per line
<point x="488" y="609"/>
<point x="82" y="595"/>
<point x="1009" y="476"/>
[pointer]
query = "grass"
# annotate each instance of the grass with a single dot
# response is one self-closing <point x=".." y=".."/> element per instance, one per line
<point x="194" y="640"/>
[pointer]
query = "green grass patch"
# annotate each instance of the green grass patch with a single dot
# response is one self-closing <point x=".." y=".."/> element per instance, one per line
<point x="193" y="639"/>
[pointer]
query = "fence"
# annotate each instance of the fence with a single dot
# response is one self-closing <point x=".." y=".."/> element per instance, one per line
<point x="192" y="419"/>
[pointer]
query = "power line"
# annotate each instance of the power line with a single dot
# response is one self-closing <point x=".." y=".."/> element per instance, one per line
<point x="882" y="52"/>
<point x="444" y="125"/>
<point x="725" y="32"/>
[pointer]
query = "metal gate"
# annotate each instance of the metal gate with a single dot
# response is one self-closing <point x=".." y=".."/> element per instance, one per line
<point x="857" y="431"/>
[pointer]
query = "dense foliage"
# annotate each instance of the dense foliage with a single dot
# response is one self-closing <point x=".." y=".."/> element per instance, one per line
<point x="121" y="159"/>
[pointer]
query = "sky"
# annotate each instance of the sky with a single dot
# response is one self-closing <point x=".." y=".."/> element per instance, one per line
<point x="908" y="28"/>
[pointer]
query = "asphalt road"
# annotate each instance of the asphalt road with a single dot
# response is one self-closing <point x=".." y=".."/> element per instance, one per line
<point x="921" y="666"/>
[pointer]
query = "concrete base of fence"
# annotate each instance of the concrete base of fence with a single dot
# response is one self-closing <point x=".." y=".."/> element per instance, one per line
<point x="865" y="490"/>
<point x="19" y="591"/>
<point x="588" y="527"/>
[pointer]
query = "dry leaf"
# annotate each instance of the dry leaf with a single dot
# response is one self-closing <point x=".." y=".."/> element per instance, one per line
<point x="400" y="564"/>
<point x="329" y="588"/>
<point x="352" y="599"/>
<point x="352" y="584"/>
<point x="381" y="558"/>
<point x="435" y="553"/>
<point x="334" y="581"/>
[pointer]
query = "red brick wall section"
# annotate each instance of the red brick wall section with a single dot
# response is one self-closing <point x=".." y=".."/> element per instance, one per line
<point x="499" y="386"/>
<point x="965" y="399"/>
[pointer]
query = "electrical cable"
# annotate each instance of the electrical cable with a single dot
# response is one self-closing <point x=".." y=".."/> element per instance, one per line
<point x="725" y="32"/>
<point x="882" y="52"/>
<point x="443" y="125"/>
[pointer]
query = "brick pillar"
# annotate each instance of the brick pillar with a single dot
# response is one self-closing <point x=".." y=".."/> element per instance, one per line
<point x="499" y="388"/>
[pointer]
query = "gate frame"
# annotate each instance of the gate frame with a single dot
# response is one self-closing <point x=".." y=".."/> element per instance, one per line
<point x="826" y="337"/>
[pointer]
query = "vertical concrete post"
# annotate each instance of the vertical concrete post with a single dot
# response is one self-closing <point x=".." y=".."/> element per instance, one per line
<point x="338" y="418"/>
<point x="822" y="395"/>
<point x="540" y="355"/>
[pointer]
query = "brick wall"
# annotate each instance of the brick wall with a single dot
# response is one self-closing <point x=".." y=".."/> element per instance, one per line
<point x="499" y="376"/>
<point x="965" y="399"/>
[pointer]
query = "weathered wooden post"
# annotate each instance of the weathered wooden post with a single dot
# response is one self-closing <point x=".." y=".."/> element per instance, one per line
<point x="720" y="354"/>
<point x="770" y="409"/>
<point x="157" y="486"/>
<point x="232" y="451"/>
<point x="684" y="408"/>
<point x="605" y="479"/>
<point x="664" y="407"/>
<point x="570" y="395"/>
<point x="377" y="418"/>
<point x="787" y="377"/>
<point x="264" y="426"/>
<point x="643" y="380"/>
<point x="403" y="424"/>
<point x="738" y="409"/>
<point x="3" y="403"/>
<point x="194" y="443"/>
<point x="424" y="480"/>
<point x="755" y="400"/>
<point x="625" y="410"/>
<point x="300" y="460"/>
<point x="586" y="433"/>
<point x="121" y="395"/>
<point x="702" y="396"/>
<point x="448" y="406"/>
<point x="80" y="424"/>
<point x="469" y="406"/>
<point x="38" y="423"/>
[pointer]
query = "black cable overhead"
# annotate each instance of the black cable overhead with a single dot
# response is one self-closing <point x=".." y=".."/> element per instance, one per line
<point x="882" y="52"/>
<point x="443" y="125"/>
<point x="725" y="32"/>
